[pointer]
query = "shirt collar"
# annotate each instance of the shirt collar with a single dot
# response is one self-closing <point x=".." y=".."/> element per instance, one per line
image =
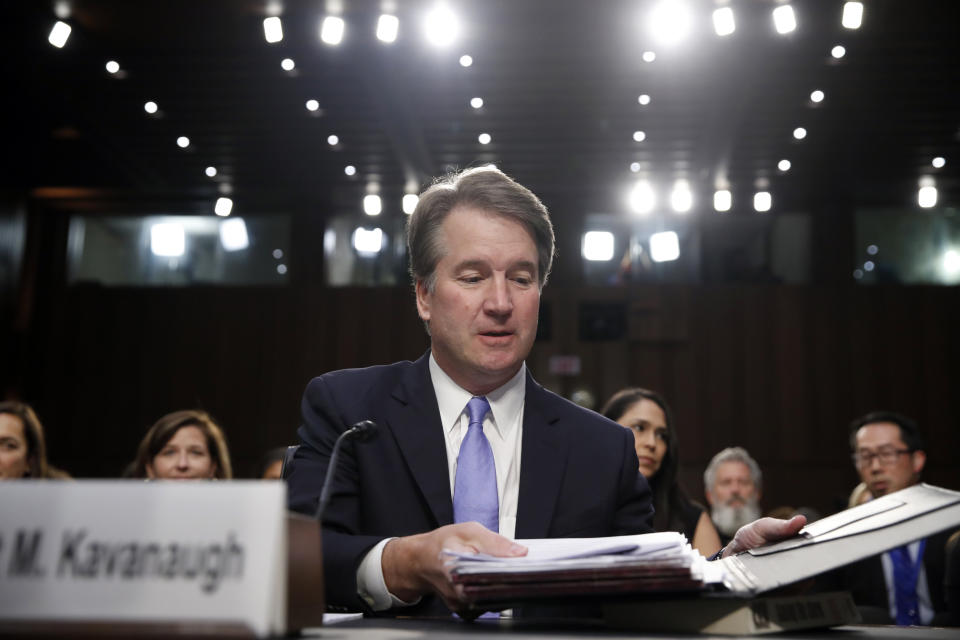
<point x="506" y="401"/>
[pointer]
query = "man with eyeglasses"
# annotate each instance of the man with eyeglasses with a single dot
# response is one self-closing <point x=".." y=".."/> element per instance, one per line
<point x="903" y="586"/>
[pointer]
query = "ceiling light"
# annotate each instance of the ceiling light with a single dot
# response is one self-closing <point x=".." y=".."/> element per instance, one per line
<point x="723" y="22"/>
<point x="838" y="52"/>
<point x="872" y="249"/>
<point x="350" y="170"/>
<point x="597" y="246"/>
<point x="167" y="239"/>
<point x="938" y="162"/>
<point x="372" y="205"/>
<point x="387" y="27"/>
<point x="649" y="56"/>
<point x="681" y="198"/>
<point x="484" y="138"/>
<point x="868" y="265"/>
<point x="816" y="96"/>
<point x="784" y="19"/>
<point x="670" y="21"/>
<point x="272" y="29"/>
<point x="664" y="246"/>
<point x="183" y="142"/>
<point x="287" y="64"/>
<point x="59" y="34"/>
<point x="634" y="167"/>
<point x="799" y="133"/>
<point x="852" y="15"/>
<point x="927" y="196"/>
<point x="150" y="107"/>
<point x="312" y="105"/>
<point x="282" y="269"/>
<point x="333" y="140"/>
<point x="441" y="26"/>
<point x="113" y="66"/>
<point x="644" y="99"/>
<point x="476" y="103"/>
<point x="367" y="241"/>
<point x="784" y="165"/>
<point x="233" y="235"/>
<point x="951" y="261"/>
<point x="466" y="61"/>
<point x="223" y="207"/>
<point x="639" y="136"/>
<point x="722" y="200"/>
<point x="210" y="171"/>
<point x="331" y="30"/>
<point x="858" y="273"/>
<point x="762" y="201"/>
<point x="409" y="202"/>
<point x="642" y="199"/>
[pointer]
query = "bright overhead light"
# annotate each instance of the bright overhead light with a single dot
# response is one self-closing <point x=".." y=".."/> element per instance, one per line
<point x="852" y="15"/>
<point x="372" y="205"/>
<point x="597" y="246"/>
<point x="331" y="30"/>
<point x="838" y="52"/>
<point x="210" y="171"/>
<point x="167" y="239"/>
<point x="634" y="167"/>
<point x="113" y="66"/>
<point x="466" y="61"/>
<point x="387" y="27"/>
<point x="233" y="234"/>
<point x="223" y="207"/>
<point x="409" y="202"/>
<point x="951" y="262"/>
<point x="938" y="162"/>
<point x="282" y="269"/>
<point x="441" y="26"/>
<point x="868" y="265"/>
<point x="784" y="19"/>
<point x="681" y="198"/>
<point x="639" y="136"/>
<point x="817" y="96"/>
<point x="150" y="107"/>
<point x="59" y="34"/>
<point x="799" y="133"/>
<point x="642" y="199"/>
<point x="367" y="241"/>
<point x="927" y="196"/>
<point x="873" y="249"/>
<point x="476" y="103"/>
<point x="722" y="200"/>
<point x="333" y="140"/>
<point x="484" y="138"/>
<point x="648" y="56"/>
<point x="643" y="99"/>
<point x="287" y="64"/>
<point x="723" y="21"/>
<point x="670" y="21"/>
<point x="272" y="29"/>
<point x="784" y="165"/>
<point x="664" y="246"/>
<point x="183" y="142"/>
<point x="312" y="105"/>
<point x="762" y="201"/>
<point x="350" y="170"/>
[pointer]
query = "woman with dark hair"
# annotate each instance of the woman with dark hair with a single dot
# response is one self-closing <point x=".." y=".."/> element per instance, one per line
<point x="648" y="416"/>
<point x="23" y="449"/>
<point x="183" y="445"/>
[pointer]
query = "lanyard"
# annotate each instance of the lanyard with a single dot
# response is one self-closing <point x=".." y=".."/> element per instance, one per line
<point x="914" y="565"/>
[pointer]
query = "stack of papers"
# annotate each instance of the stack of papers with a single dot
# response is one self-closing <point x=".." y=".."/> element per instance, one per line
<point x="620" y="565"/>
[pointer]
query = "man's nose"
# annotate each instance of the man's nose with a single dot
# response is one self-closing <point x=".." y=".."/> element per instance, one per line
<point x="498" y="300"/>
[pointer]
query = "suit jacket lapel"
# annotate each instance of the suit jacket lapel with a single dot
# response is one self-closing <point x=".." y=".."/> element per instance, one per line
<point x="543" y="459"/>
<point x="414" y="419"/>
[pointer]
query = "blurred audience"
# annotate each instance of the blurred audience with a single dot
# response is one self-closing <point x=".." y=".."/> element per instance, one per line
<point x="733" y="484"/>
<point x="23" y="448"/>
<point x="183" y="445"/>
<point x="647" y="414"/>
<point x="271" y="465"/>
<point x="859" y="495"/>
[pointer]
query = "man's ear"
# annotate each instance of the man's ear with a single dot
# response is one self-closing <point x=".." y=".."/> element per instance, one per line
<point x="709" y="496"/>
<point x="423" y="301"/>
<point x="918" y="459"/>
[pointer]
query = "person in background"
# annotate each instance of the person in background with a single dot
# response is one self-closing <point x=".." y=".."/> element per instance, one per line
<point x="859" y="495"/>
<point x="648" y="416"/>
<point x="271" y="465"/>
<point x="23" y="449"/>
<point x="183" y="445"/>
<point x="733" y="484"/>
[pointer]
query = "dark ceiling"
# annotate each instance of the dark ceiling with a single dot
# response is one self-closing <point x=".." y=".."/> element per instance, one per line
<point x="560" y="81"/>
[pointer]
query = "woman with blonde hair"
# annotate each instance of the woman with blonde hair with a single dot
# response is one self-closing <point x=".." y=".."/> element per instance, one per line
<point x="184" y="445"/>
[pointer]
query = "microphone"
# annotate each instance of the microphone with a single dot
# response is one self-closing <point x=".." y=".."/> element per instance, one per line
<point x="361" y="432"/>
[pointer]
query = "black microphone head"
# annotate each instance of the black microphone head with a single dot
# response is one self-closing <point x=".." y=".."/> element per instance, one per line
<point x="364" y="430"/>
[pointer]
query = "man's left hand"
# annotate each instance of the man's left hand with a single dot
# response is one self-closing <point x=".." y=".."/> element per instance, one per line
<point x="763" y="531"/>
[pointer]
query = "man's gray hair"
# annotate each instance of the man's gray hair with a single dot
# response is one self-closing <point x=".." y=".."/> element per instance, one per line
<point x="732" y="454"/>
<point x="484" y="188"/>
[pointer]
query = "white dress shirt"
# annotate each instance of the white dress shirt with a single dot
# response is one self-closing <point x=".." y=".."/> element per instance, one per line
<point x="503" y="427"/>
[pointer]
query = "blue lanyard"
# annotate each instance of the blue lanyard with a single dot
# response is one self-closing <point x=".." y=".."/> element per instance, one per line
<point x="914" y="565"/>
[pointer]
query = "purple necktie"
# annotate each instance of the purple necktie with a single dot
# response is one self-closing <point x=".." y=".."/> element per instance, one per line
<point x="475" y="488"/>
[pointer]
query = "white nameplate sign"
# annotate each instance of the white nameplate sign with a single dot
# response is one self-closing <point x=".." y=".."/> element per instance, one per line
<point x="174" y="552"/>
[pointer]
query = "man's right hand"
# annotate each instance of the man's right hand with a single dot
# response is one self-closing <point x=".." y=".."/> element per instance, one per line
<point x="415" y="565"/>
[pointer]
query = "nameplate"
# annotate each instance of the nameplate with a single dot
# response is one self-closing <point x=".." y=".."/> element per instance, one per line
<point x="152" y="552"/>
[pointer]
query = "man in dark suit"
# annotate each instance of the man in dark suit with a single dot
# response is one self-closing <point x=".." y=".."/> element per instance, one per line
<point x="466" y="434"/>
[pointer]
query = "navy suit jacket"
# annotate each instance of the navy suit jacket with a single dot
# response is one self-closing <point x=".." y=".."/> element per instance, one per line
<point x="578" y="471"/>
